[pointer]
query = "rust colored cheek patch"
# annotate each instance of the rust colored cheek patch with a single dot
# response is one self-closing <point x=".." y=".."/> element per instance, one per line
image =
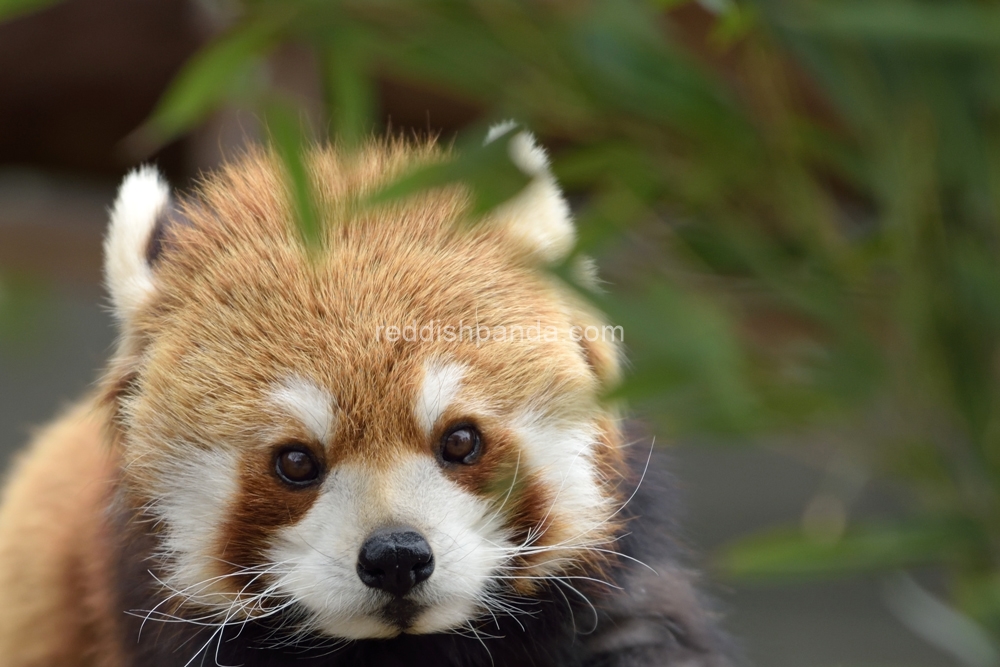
<point x="524" y="505"/>
<point x="263" y="506"/>
<point x="528" y="507"/>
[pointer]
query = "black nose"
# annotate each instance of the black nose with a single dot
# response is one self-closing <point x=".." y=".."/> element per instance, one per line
<point x="395" y="560"/>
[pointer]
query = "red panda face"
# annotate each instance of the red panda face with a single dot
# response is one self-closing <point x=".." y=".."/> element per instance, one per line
<point x="399" y="433"/>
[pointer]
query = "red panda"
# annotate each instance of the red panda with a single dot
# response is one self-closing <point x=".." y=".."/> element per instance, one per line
<point x="387" y="450"/>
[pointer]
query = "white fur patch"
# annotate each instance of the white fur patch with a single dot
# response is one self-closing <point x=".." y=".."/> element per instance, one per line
<point x="319" y="554"/>
<point x="538" y="217"/>
<point x="141" y="198"/>
<point x="196" y="494"/>
<point x="311" y="404"/>
<point x="499" y="130"/>
<point x="439" y="387"/>
<point x="524" y="152"/>
<point x="562" y="454"/>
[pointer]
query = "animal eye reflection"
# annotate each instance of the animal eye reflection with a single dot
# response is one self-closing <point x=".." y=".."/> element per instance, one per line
<point x="461" y="444"/>
<point x="296" y="466"/>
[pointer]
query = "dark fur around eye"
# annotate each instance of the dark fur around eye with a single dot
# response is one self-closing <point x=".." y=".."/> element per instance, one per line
<point x="461" y="444"/>
<point x="296" y="465"/>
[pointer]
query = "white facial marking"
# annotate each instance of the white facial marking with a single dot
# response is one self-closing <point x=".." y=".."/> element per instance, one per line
<point x="320" y="552"/>
<point x="197" y="495"/>
<point x="562" y="454"/>
<point x="440" y="386"/>
<point x="309" y="403"/>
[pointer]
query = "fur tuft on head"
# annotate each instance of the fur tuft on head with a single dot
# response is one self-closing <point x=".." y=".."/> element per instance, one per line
<point x="538" y="218"/>
<point x="142" y="197"/>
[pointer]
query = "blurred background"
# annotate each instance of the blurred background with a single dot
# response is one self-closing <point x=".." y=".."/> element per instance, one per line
<point x="794" y="204"/>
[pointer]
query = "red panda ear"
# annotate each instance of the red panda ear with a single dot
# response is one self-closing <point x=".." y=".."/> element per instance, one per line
<point x="142" y="198"/>
<point x="538" y="218"/>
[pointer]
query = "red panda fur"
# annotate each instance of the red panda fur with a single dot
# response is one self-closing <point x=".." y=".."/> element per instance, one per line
<point x="156" y="499"/>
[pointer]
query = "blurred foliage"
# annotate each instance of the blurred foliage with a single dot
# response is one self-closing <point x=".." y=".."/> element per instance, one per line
<point x="291" y="141"/>
<point x="798" y="202"/>
<point x="24" y="306"/>
<point x="12" y="8"/>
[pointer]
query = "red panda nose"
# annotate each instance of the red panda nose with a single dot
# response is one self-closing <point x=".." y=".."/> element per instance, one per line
<point x="395" y="560"/>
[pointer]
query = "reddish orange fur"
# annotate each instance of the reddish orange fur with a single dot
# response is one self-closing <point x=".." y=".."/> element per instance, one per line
<point x="55" y="596"/>
<point x="238" y="304"/>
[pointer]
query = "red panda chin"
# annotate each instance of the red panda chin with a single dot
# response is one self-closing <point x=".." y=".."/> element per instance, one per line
<point x="393" y="439"/>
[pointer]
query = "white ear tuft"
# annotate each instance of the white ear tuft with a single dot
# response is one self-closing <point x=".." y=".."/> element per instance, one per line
<point x="499" y="130"/>
<point x="142" y="197"/>
<point x="538" y="216"/>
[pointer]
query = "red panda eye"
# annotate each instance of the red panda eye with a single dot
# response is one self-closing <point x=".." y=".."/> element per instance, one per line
<point x="461" y="445"/>
<point x="296" y="466"/>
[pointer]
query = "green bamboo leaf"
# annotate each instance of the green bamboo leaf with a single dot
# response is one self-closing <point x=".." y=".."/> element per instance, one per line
<point x="417" y="180"/>
<point x="687" y="365"/>
<point x="487" y="170"/>
<point x="787" y="553"/>
<point x="626" y="66"/>
<point x="735" y="22"/>
<point x="669" y="4"/>
<point x="290" y="142"/>
<point x="221" y="70"/>
<point x="351" y="97"/>
<point x="946" y="24"/>
<point x="938" y="623"/>
<point x="10" y="9"/>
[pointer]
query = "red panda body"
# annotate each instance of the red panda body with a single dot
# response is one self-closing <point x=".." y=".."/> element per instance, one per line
<point x="316" y="457"/>
<point x="56" y="551"/>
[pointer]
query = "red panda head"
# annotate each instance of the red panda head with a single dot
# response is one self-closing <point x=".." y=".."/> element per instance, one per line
<point x="398" y="432"/>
